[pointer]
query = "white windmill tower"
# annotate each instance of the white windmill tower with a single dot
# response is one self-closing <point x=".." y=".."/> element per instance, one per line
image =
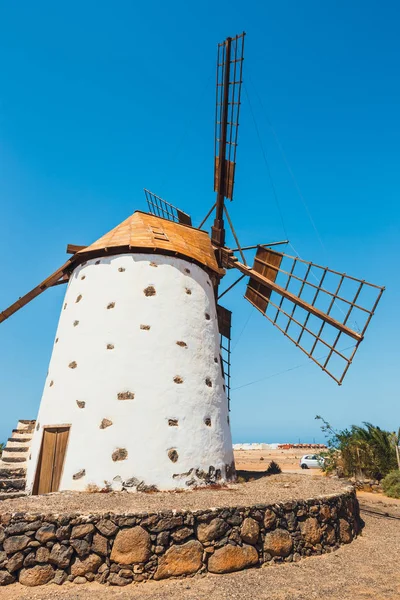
<point x="137" y="395"/>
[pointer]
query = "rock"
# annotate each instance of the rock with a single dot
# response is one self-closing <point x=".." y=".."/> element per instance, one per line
<point x="59" y="577"/>
<point x="131" y="546"/>
<point x="180" y="560"/>
<point x="125" y="573"/>
<point x="100" y="544"/>
<point x="102" y="568"/>
<point x="325" y="512"/>
<point x="6" y="578"/>
<point x="37" y="575"/>
<point x="311" y="531"/>
<point x="215" y="529"/>
<point x="15" y="543"/>
<point x="60" y="555"/>
<point x="22" y="527"/>
<point x="3" y="558"/>
<point x="278" y="543"/>
<point x="42" y="555"/>
<point x="127" y="521"/>
<point x="330" y="535"/>
<point x="181" y="535"/>
<point x="167" y="523"/>
<point x="107" y="527"/>
<point x="234" y="519"/>
<point x="269" y="519"/>
<point x="62" y="533"/>
<point x="2" y="534"/>
<point x="232" y="558"/>
<point x="162" y="538"/>
<point x="46" y="533"/>
<point x="249" y="531"/>
<point x="87" y="565"/>
<point x="29" y="560"/>
<point x="79" y="531"/>
<point x="345" y="532"/>
<point x="119" y="454"/>
<point x="15" y="562"/>
<point x="79" y="579"/>
<point x="81" y="547"/>
<point x="102" y="577"/>
<point x="115" y="579"/>
<point x="296" y="557"/>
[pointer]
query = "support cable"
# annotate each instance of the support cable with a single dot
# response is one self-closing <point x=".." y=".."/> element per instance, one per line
<point x="285" y="160"/>
<point x="266" y="163"/>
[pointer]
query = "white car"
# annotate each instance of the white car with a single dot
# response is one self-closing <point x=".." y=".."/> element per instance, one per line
<point x="312" y="461"/>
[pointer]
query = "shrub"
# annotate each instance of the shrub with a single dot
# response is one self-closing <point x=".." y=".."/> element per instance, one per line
<point x="391" y="484"/>
<point x="366" y="451"/>
<point x="273" y="468"/>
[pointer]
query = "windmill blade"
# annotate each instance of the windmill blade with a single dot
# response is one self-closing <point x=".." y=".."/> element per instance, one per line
<point x="229" y="85"/>
<point x="58" y="277"/>
<point x="323" y="312"/>
<point x="161" y="208"/>
<point x="224" y="325"/>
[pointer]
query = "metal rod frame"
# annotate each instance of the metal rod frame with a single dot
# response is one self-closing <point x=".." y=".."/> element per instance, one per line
<point x="260" y="245"/>
<point x="161" y="208"/>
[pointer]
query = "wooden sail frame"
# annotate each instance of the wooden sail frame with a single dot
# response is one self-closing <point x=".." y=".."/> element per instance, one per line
<point x="310" y="328"/>
<point x="58" y="277"/>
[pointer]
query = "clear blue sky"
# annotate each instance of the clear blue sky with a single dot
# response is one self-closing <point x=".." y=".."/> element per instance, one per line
<point x="99" y="99"/>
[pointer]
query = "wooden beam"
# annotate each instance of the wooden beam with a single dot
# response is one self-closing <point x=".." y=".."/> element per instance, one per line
<point x="44" y="285"/>
<point x="293" y="298"/>
<point x="73" y="248"/>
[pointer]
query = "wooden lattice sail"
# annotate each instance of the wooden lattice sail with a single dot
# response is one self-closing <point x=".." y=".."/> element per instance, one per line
<point x="323" y="312"/>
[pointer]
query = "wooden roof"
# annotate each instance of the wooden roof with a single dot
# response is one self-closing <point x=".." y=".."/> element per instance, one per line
<point x="143" y="232"/>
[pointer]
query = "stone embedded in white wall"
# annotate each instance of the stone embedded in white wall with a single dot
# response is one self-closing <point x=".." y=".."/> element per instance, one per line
<point x="153" y="385"/>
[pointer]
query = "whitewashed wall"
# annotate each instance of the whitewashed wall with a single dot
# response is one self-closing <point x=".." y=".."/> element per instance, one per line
<point x="143" y="362"/>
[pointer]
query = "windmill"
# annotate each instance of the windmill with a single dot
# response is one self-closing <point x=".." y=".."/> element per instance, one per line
<point x="137" y="393"/>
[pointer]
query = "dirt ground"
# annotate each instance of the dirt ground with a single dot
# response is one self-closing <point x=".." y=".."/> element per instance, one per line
<point x="258" y="460"/>
<point x="366" y="569"/>
<point x="266" y="490"/>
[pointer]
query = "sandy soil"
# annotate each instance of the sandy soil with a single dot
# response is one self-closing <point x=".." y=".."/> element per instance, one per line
<point x="366" y="569"/>
<point x="266" y="490"/>
<point x="258" y="460"/>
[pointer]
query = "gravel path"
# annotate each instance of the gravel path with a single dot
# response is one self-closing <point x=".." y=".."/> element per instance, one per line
<point x="266" y="490"/>
<point x="366" y="569"/>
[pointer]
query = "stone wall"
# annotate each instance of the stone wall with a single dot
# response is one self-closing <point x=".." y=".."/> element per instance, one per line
<point x="118" y="549"/>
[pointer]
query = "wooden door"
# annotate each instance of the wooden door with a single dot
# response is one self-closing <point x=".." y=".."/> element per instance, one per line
<point x="51" y="460"/>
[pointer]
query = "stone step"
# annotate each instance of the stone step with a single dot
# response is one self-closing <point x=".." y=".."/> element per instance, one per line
<point x="17" y="441"/>
<point x="8" y="495"/>
<point x="13" y="459"/>
<point x="15" y="449"/>
<point x="26" y="425"/>
<point x="12" y="485"/>
<point x="23" y="432"/>
<point x="11" y="472"/>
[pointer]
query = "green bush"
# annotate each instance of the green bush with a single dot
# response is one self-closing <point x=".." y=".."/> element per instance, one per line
<point x="273" y="468"/>
<point x="366" y="451"/>
<point x="391" y="484"/>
